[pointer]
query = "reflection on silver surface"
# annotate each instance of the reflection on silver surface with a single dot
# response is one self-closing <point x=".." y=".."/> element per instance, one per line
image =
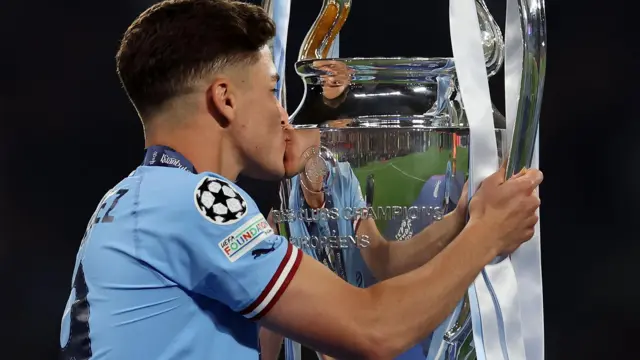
<point x="459" y="337"/>
<point x="381" y="92"/>
<point x="334" y="14"/>
<point x="492" y="40"/>
<point x="384" y="139"/>
<point x="534" y="65"/>
<point x="323" y="32"/>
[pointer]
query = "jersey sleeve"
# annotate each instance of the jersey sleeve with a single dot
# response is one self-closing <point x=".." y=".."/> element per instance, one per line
<point x="212" y="239"/>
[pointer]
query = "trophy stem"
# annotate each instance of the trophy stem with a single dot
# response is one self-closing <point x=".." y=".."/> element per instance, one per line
<point x="324" y="30"/>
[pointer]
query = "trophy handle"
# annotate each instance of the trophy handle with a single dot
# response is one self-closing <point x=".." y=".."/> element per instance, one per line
<point x="492" y="39"/>
<point x="334" y="13"/>
<point x="317" y="43"/>
<point x="533" y="22"/>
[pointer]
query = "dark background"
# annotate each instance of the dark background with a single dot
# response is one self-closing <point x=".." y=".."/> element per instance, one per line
<point x="68" y="134"/>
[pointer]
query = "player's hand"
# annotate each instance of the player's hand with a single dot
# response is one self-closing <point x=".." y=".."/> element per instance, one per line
<point x="507" y="209"/>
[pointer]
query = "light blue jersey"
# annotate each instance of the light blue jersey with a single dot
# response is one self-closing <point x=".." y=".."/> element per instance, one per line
<point x="174" y="265"/>
<point x="344" y="192"/>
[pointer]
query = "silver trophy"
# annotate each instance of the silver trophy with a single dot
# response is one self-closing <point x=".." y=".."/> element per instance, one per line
<point x="387" y="139"/>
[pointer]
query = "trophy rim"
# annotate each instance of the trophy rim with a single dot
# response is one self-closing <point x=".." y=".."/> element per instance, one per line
<point x="415" y="122"/>
<point x="374" y="65"/>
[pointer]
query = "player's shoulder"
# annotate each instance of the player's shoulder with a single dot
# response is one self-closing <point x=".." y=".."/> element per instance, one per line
<point x="221" y="201"/>
<point x="199" y="197"/>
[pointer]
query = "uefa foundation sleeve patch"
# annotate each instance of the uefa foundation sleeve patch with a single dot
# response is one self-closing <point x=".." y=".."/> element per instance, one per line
<point x="245" y="238"/>
<point x="218" y="202"/>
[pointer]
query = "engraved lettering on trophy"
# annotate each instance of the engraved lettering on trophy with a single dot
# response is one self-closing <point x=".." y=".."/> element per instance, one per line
<point x="350" y="213"/>
<point x="333" y="241"/>
<point x="314" y="241"/>
<point x="412" y="212"/>
<point x="347" y="213"/>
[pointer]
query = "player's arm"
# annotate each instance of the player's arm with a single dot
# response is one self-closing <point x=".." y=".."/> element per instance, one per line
<point x="216" y="243"/>
<point x="387" y="259"/>
<point x="380" y="322"/>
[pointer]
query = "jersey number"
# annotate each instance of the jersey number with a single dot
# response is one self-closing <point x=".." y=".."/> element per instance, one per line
<point x="78" y="345"/>
<point x="107" y="218"/>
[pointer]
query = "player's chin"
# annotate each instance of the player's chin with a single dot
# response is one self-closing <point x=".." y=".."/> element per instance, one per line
<point x="292" y="167"/>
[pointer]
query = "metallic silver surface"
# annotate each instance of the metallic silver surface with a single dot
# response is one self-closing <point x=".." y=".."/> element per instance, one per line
<point x="492" y="40"/>
<point x="384" y="139"/>
<point x="459" y="337"/>
<point x="323" y="32"/>
<point x="380" y="92"/>
<point x="533" y="25"/>
<point x="534" y="64"/>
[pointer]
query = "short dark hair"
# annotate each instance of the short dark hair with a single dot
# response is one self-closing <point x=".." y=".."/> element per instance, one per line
<point x="174" y="44"/>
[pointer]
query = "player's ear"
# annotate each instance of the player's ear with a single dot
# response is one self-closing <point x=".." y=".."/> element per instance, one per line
<point x="221" y="101"/>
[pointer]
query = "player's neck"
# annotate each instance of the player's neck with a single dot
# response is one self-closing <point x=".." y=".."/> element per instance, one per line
<point x="207" y="151"/>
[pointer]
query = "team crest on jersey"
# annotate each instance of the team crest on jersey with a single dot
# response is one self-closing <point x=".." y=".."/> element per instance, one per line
<point x="245" y="238"/>
<point x="218" y="202"/>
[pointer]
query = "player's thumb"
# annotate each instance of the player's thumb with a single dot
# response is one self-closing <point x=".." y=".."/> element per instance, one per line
<point x="521" y="173"/>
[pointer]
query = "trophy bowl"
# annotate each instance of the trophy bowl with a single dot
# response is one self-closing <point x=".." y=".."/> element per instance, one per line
<point x="379" y="138"/>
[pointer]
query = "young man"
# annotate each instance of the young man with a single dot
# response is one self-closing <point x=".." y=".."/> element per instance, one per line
<point x="178" y="263"/>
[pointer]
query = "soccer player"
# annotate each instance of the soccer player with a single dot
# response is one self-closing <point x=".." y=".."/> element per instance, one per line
<point x="178" y="263"/>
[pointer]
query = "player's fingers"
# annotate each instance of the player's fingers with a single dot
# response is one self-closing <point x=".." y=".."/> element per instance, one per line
<point x="504" y="164"/>
<point x="520" y="173"/>
<point x="496" y="178"/>
<point x="531" y="221"/>
<point x="532" y="203"/>
<point x="525" y="183"/>
<point x="534" y="178"/>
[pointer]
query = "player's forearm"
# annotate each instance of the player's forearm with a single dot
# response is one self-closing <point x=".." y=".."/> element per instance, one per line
<point x="407" y="255"/>
<point x="429" y="293"/>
